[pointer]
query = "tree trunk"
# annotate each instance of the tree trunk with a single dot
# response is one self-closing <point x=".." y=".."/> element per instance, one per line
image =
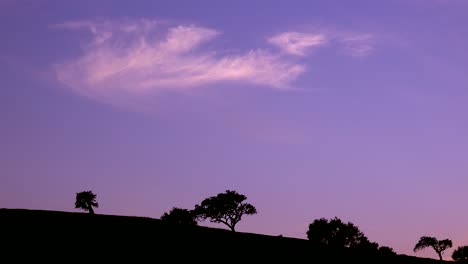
<point x="90" y="209"/>
<point x="440" y="254"/>
<point x="232" y="228"/>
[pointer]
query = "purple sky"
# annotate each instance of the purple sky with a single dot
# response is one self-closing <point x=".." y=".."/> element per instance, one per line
<point x="354" y="109"/>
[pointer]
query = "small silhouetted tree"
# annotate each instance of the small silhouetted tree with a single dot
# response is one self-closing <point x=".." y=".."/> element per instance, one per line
<point x="460" y="254"/>
<point x="86" y="201"/>
<point x="179" y="216"/>
<point x="439" y="246"/>
<point x="385" y="251"/>
<point x="227" y="208"/>
<point x="334" y="233"/>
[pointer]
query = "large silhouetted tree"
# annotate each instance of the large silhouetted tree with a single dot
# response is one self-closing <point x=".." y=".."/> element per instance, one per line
<point x="334" y="233"/>
<point x="227" y="208"/>
<point x="179" y="216"/>
<point x="460" y="254"/>
<point x="439" y="246"/>
<point x="86" y="201"/>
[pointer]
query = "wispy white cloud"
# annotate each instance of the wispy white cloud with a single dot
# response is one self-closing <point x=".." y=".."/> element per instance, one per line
<point x="136" y="57"/>
<point x="358" y="45"/>
<point x="146" y="56"/>
<point x="297" y="43"/>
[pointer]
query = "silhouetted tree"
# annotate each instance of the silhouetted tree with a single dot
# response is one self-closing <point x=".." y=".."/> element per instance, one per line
<point x="365" y="246"/>
<point x="179" y="216"/>
<point x="386" y="251"/>
<point x="460" y="254"/>
<point x="86" y="201"/>
<point x="438" y="246"/>
<point x="227" y="208"/>
<point x="336" y="234"/>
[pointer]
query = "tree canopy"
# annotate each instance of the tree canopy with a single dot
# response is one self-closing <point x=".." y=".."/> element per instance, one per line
<point x="335" y="233"/>
<point x="179" y="216"/>
<point x="86" y="201"/>
<point x="439" y="246"/>
<point x="336" y="237"/>
<point x="460" y="254"/>
<point x="386" y="251"/>
<point x="227" y="208"/>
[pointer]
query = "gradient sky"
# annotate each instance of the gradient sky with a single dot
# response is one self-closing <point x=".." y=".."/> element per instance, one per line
<point x="355" y="109"/>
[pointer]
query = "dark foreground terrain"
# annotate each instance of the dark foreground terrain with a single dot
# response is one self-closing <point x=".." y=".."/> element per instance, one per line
<point x="65" y="237"/>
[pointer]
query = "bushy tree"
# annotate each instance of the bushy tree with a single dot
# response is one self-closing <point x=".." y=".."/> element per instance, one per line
<point x="86" y="201"/>
<point x="386" y="251"/>
<point x="179" y="216"/>
<point x="460" y="254"/>
<point x="439" y="246"/>
<point x="227" y="208"/>
<point x="334" y="233"/>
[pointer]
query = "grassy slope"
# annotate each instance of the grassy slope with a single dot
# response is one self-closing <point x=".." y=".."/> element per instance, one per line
<point x="59" y="236"/>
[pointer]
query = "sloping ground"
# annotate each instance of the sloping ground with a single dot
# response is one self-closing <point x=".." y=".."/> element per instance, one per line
<point x="68" y="237"/>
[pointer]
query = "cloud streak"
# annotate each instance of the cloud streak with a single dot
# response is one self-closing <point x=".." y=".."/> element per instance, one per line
<point x="297" y="43"/>
<point x="140" y="57"/>
<point x="144" y="56"/>
<point x="358" y="45"/>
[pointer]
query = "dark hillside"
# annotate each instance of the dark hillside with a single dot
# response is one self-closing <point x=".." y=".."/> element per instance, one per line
<point x="63" y="236"/>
